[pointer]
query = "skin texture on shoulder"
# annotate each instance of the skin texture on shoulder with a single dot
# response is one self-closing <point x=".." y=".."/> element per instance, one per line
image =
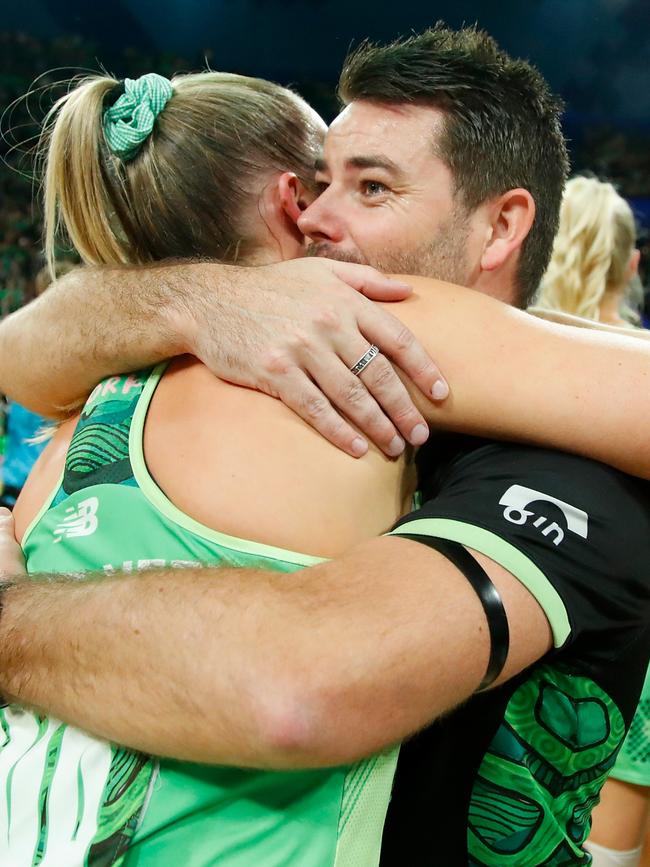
<point x="232" y="443"/>
<point x="261" y="473"/>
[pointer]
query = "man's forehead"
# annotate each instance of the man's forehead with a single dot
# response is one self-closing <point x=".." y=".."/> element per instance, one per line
<point x="382" y="129"/>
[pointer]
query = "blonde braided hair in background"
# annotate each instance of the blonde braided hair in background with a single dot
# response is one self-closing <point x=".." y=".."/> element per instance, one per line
<point x="592" y="248"/>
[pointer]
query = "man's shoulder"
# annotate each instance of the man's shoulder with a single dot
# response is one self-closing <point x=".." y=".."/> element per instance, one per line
<point x="564" y="503"/>
<point x="574" y="531"/>
<point x="462" y="466"/>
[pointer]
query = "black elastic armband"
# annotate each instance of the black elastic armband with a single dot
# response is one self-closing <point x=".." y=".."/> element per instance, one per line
<point x="486" y="592"/>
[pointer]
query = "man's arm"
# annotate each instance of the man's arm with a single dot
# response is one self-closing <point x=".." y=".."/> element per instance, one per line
<point x="339" y="660"/>
<point x="266" y="328"/>
<point x="513" y="376"/>
<point x="258" y="668"/>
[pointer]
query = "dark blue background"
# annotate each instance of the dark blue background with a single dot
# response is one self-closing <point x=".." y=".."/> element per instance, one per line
<point x="595" y="52"/>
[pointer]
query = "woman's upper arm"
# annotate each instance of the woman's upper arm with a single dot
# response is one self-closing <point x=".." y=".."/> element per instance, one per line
<point x="514" y="376"/>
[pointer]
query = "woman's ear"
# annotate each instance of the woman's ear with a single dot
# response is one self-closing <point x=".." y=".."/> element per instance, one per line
<point x="293" y="195"/>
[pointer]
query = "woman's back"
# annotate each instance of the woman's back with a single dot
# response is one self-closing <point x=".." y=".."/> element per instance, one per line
<point x="240" y="462"/>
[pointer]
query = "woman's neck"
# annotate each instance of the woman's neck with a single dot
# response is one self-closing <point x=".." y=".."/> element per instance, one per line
<point x="610" y="306"/>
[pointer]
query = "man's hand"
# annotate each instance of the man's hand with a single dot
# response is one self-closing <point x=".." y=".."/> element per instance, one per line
<point x="300" y="329"/>
<point x="292" y="330"/>
<point x="12" y="562"/>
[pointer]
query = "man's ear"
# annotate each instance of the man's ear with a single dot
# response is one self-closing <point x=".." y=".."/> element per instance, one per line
<point x="510" y="219"/>
<point x="293" y="195"/>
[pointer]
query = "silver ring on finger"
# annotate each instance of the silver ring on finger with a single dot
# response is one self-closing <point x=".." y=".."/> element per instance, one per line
<point x="365" y="360"/>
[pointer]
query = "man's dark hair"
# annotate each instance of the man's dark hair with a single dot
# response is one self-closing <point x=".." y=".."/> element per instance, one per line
<point x="502" y="127"/>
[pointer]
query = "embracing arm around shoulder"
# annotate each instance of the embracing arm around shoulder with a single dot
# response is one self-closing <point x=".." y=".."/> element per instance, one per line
<point x="312" y="669"/>
<point x="266" y="327"/>
<point x="331" y="663"/>
<point x="512" y="375"/>
<point x="516" y="377"/>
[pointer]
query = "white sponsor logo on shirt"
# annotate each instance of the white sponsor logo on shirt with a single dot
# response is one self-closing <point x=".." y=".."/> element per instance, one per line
<point x="81" y="521"/>
<point x="517" y="498"/>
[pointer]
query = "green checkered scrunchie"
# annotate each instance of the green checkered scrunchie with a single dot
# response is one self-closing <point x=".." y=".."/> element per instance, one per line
<point x="130" y="120"/>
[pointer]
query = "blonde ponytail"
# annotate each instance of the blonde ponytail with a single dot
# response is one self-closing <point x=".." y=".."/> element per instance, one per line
<point x="592" y="248"/>
<point x="76" y="193"/>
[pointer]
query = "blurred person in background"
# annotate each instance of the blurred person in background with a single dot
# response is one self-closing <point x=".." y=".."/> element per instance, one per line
<point x="382" y="655"/>
<point x="593" y="272"/>
<point x="21" y="450"/>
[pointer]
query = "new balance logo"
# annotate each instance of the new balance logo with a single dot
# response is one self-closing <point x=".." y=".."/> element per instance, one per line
<point x="81" y="521"/>
<point x="516" y="500"/>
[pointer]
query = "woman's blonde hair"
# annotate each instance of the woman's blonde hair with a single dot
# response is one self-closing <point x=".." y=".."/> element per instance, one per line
<point x="592" y="248"/>
<point x="196" y="180"/>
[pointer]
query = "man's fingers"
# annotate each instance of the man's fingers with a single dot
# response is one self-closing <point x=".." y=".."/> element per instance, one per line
<point x="12" y="561"/>
<point x="399" y="344"/>
<point x="349" y="394"/>
<point x="301" y="395"/>
<point x="370" y="282"/>
<point x="382" y="381"/>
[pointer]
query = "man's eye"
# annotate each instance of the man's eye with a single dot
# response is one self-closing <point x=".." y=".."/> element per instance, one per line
<point x="373" y="188"/>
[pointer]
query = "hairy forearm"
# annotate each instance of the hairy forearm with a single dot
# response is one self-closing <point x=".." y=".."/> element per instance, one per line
<point x="243" y="667"/>
<point x="131" y="659"/>
<point x="95" y="322"/>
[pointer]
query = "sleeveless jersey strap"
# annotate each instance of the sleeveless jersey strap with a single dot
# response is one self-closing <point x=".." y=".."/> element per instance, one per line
<point x="99" y="449"/>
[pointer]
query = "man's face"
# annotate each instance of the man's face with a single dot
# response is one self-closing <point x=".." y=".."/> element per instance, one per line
<point x="386" y="200"/>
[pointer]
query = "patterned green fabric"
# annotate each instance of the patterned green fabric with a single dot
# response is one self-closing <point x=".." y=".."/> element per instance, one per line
<point x="130" y="120"/>
<point x="68" y="799"/>
<point x="92" y="820"/>
<point x="543" y="772"/>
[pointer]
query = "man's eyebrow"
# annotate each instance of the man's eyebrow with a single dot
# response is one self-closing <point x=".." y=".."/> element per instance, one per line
<point x="372" y="161"/>
<point x="363" y="162"/>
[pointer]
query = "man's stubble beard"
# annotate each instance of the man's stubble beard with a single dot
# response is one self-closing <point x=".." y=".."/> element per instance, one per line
<point x="443" y="258"/>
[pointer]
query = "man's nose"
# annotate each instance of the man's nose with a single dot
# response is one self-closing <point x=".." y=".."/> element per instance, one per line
<point x="320" y="222"/>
